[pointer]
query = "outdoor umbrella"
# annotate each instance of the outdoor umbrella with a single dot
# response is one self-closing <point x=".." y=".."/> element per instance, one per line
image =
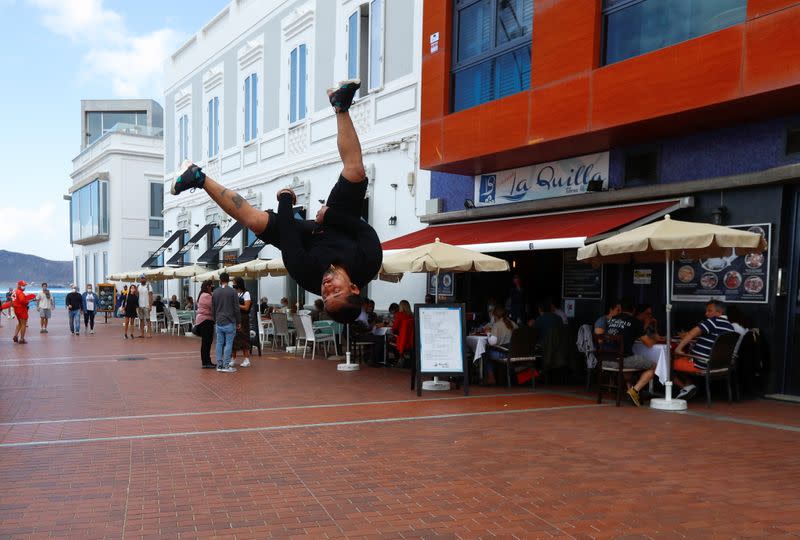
<point x="663" y="241"/>
<point x="185" y="271"/>
<point x="440" y="257"/>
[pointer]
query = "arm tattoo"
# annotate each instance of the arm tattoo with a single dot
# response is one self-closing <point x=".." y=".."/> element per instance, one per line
<point x="237" y="200"/>
<point x="223" y="192"/>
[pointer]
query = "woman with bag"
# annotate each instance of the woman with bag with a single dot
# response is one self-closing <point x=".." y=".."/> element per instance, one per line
<point x="205" y="323"/>
<point x="130" y="303"/>
<point x="241" y="341"/>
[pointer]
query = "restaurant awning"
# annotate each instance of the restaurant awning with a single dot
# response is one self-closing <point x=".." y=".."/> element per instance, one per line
<point x="177" y="259"/>
<point x="549" y="231"/>
<point x="251" y="252"/>
<point x="212" y="255"/>
<point x="152" y="260"/>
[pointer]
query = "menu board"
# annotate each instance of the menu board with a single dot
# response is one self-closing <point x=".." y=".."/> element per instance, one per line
<point x="735" y="278"/>
<point x="107" y="294"/>
<point x="581" y="280"/>
<point x="441" y="339"/>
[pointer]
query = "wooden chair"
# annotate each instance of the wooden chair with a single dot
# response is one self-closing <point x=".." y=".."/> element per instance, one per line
<point x="610" y="353"/>
<point x="520" y="351"/>
<point x="721" y="363"/>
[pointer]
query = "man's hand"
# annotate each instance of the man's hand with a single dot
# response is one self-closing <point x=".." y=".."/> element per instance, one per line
<point x="321" y="214"/>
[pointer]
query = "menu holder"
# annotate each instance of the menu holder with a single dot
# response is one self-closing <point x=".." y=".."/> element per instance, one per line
<point x="440" y="343"/>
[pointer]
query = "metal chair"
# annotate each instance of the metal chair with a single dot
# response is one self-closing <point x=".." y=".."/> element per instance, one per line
<point x="282" y="331"/>
<point x="314" y="335"/>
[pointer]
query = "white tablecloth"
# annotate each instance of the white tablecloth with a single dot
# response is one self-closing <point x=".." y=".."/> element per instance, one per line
<point x="478" y="345"/>
<point x="659" y="354"/>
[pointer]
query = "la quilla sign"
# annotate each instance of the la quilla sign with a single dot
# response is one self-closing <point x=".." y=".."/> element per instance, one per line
<point x="541" y="181"/>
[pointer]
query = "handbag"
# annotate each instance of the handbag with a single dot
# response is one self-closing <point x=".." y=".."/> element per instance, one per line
<point x="196" y="330"/>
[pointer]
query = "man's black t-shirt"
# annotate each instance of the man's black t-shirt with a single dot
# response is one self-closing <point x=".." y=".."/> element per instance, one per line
<point x="629" y="327"/>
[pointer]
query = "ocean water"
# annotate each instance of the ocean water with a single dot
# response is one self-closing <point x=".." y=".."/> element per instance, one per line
<point x="59" y="295"/>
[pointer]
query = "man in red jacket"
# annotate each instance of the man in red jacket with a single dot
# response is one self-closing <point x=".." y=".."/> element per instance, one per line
<point x="19" y="301"/>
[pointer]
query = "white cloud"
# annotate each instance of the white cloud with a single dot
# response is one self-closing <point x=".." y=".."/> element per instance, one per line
<point x="131" y="63"/>
<point x="41" y="231"/>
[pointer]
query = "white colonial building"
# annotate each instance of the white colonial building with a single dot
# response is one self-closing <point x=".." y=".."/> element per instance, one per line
<point x="246" y="99"/>
<point x="116" y="196"/>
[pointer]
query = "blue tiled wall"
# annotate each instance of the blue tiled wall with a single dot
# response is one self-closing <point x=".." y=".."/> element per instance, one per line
<point x="738" y="149"/>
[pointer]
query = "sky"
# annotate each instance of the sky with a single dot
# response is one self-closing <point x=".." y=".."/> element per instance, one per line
<point x="55" y="53"/>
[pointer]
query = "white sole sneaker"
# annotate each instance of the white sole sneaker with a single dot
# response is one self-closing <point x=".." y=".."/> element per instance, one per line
<point x="246" y="363"/>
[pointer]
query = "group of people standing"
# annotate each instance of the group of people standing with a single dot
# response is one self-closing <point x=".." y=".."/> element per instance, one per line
<point x="85" y="303"/>
<point x="224" y="313"/>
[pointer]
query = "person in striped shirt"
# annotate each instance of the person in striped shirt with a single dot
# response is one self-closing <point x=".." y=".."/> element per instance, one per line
<point x="704" y="335"/>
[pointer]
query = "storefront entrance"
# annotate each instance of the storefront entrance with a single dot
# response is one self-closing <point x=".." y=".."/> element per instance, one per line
<point x="789" y="375"/>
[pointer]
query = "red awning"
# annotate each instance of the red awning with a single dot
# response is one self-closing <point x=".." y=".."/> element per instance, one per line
<point x="550" y="231"/>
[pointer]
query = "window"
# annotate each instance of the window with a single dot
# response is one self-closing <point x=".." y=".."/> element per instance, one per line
<point x="365" y="45"/>
<point x="97" y="275"/>
<point x="250" y="107"/>
<point x="634" y="27"/>
<point x="183" y="138"/>
<point x="105" y="265"/>
<point x="77" y="276"/>
<point x="491" y="50"/>
<point x="641" y="167"/>
<point x="86" y="274"/>
<point x="213" y="127"/>
<point x="100" y="123"/>
<point x="89" y="211"/>
<point x="297" y="84"/>
<point x="156" y="209"/>
<point x="184" y="241"/>
<point x="793" y="141"/>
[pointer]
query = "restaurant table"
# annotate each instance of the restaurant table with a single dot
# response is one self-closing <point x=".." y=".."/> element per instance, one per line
<point x="658" y="353"/>
<point x="478" y="346"/>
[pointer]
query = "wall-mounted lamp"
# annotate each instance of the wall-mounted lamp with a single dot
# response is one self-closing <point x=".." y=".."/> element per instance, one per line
<point x="594" y="185"/>
<point x="168" y="233"/>
<point x="393" y="220"/>
<point x="469" y="204"/>
<point x="719" y="215"/>
<point x="321" y="201"/>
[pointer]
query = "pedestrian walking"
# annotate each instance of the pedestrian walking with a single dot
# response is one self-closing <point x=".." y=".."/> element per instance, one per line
<point x="89" y="303"/>
<point x="74" y="303"/>
<point x="241" y="341"/>
<point x="19" y="302"/>
<point x="45" y="303"/>
<point x="145" y="292"/>
<point x="227" y="317"/>
<point x="130" y="308"/>
<point x="204" y="326"/>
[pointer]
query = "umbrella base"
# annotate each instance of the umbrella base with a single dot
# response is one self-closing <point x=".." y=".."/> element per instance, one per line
<point x="348" y="366"/>
<point x="668" y="404"/>
<point x="436" y="384"/>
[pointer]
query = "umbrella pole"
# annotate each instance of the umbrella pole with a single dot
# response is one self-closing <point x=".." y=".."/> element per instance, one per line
<point x="348" y="366"/>
<point x="668" y="404"/>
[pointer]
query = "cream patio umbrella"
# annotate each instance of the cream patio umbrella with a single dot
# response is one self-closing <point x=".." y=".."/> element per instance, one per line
<point x="439" y="257"/>
<point x="663" y="241"/>
<point x="185" y="271"/>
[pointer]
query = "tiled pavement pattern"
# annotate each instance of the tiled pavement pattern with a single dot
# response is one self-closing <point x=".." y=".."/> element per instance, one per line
<point x="291" y="448"/>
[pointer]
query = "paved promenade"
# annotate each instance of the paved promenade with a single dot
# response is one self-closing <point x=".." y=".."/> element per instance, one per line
<point x="102" y="437"/>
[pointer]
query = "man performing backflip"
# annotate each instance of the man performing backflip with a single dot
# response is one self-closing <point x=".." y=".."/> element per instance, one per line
<point x="336" y="254"/>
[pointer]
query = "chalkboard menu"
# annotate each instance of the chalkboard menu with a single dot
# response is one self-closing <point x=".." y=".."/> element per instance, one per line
<point x="735" y="278"/>
<point x="107" y="294"/>
<point x="581" y="280"/>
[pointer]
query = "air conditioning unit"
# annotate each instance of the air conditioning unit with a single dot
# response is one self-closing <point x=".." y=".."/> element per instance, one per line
<point x="434" y="206"/>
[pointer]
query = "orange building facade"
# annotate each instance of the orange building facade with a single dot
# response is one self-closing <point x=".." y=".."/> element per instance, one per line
<point x="705" y="128"/>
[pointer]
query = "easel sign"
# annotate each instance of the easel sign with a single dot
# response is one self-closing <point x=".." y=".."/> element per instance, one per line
<point x="107" y="298"/>
<point x="440" y="343"/>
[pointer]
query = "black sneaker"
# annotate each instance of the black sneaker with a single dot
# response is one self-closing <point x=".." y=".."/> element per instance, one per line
<point x="341" y="97"/>
<point x="192" y="177"/>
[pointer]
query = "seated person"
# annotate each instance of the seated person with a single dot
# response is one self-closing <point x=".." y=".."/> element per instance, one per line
<point x="393" y="309"/>
<point x="612" y="310"/>
<point x="631" y="329"/>
<point x="705" y="334"/>
<point x="264" y="307"/>
<point x="159" y="304"/>
<point x="644" y="312"/>
<point x="429" y="299"/>
<point x="499" y="335"/>
<point x="555" y="307"/>
<point x="173" y="302"/>
<point x="547" y="320"/>
<point x="361" y="331"/>
<point x="737" y="319"/>
<point x="402" y="336"/>
<point x="317" y="310"/>
<point x="284" y="306"/>
<point x="372" y="317"/>
<point x="189" y="303"/>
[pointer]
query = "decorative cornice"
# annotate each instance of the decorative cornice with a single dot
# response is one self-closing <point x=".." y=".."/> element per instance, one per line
<point x="212" y="78"/>
<point x="298" y="20"/>
<point x="183" y="97"/>
<point x="252" y="52"/>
